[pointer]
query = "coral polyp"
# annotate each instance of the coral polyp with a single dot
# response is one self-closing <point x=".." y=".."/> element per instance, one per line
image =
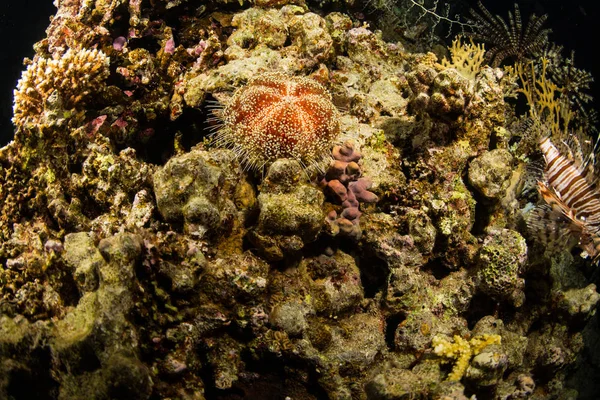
<point x="279" y="116"/>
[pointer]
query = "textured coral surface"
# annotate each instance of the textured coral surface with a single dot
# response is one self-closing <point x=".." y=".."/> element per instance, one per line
<point x="141" y="260"/>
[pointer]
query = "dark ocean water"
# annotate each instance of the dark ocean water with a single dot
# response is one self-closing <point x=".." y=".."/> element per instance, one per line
<point x="575" y="25"/>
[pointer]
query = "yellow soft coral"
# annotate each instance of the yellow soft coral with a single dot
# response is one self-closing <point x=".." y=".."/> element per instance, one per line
<point x="546" y="107"/>
<point x="462" y="351"/>
<point x="466" y="58"/>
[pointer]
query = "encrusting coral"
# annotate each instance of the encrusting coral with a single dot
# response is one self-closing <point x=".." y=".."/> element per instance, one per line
<point x="502" y="258"/>
<point x="282" y="231"/>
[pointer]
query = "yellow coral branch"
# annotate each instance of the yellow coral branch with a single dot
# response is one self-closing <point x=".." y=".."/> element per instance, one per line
<point x="462" y="351"/>
<point x="466" y="58"/>
<point x="545" y="105"/>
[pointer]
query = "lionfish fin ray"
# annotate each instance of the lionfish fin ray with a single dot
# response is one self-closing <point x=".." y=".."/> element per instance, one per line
<point x="547" y="226"/>
<point x="567" y="192"/>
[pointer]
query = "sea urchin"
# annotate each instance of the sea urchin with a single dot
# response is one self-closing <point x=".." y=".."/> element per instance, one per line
<point x="279" y="116"/>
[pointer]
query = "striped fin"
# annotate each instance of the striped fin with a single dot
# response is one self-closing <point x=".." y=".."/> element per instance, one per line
<point x="556" y="204"/>
<point x="549" y="224"/>
<point x="534" y="173"/>
<point x="582" y="151"/>
<point x="549" y="227"/>
<point x="568" y="190"/>
<point x="590" y="243"/>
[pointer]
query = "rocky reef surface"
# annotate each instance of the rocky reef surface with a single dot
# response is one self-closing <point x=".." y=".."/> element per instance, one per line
<point x="138" y="260"/>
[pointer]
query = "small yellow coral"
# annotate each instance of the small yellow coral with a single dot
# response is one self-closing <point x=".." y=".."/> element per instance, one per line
<point x="73" y="77"/>
<point x="466" y="58"/>
<point x="462" y="351"/>
<point x="546" y="107"/>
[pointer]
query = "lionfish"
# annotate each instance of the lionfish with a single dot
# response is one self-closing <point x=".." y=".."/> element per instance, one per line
<point x="572" y="209"/>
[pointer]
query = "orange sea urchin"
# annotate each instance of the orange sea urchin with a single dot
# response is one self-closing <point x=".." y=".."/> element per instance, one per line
<point x="279" y="116"/>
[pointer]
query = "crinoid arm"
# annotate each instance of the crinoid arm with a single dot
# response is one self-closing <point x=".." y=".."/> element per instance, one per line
<point x="508" y="39"/>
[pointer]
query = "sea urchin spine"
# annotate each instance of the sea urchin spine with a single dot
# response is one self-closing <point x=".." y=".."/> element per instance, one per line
<point x="279" y="116"/>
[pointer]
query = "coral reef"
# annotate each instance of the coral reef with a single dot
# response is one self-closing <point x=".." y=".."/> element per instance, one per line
<point x="139" y="259"/>
<point x="200" y="189"/>
<point x="282" y="230"/>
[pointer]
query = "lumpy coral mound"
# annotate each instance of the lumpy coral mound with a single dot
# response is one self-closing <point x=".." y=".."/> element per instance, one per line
<point x="278" y="116"/>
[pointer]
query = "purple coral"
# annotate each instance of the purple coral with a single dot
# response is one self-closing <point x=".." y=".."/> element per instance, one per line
<point x="119" y="43"/>
<point x="344" y="185"/>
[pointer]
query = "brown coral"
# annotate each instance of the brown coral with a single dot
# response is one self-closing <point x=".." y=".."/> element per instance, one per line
<point x="71" y="78"/>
